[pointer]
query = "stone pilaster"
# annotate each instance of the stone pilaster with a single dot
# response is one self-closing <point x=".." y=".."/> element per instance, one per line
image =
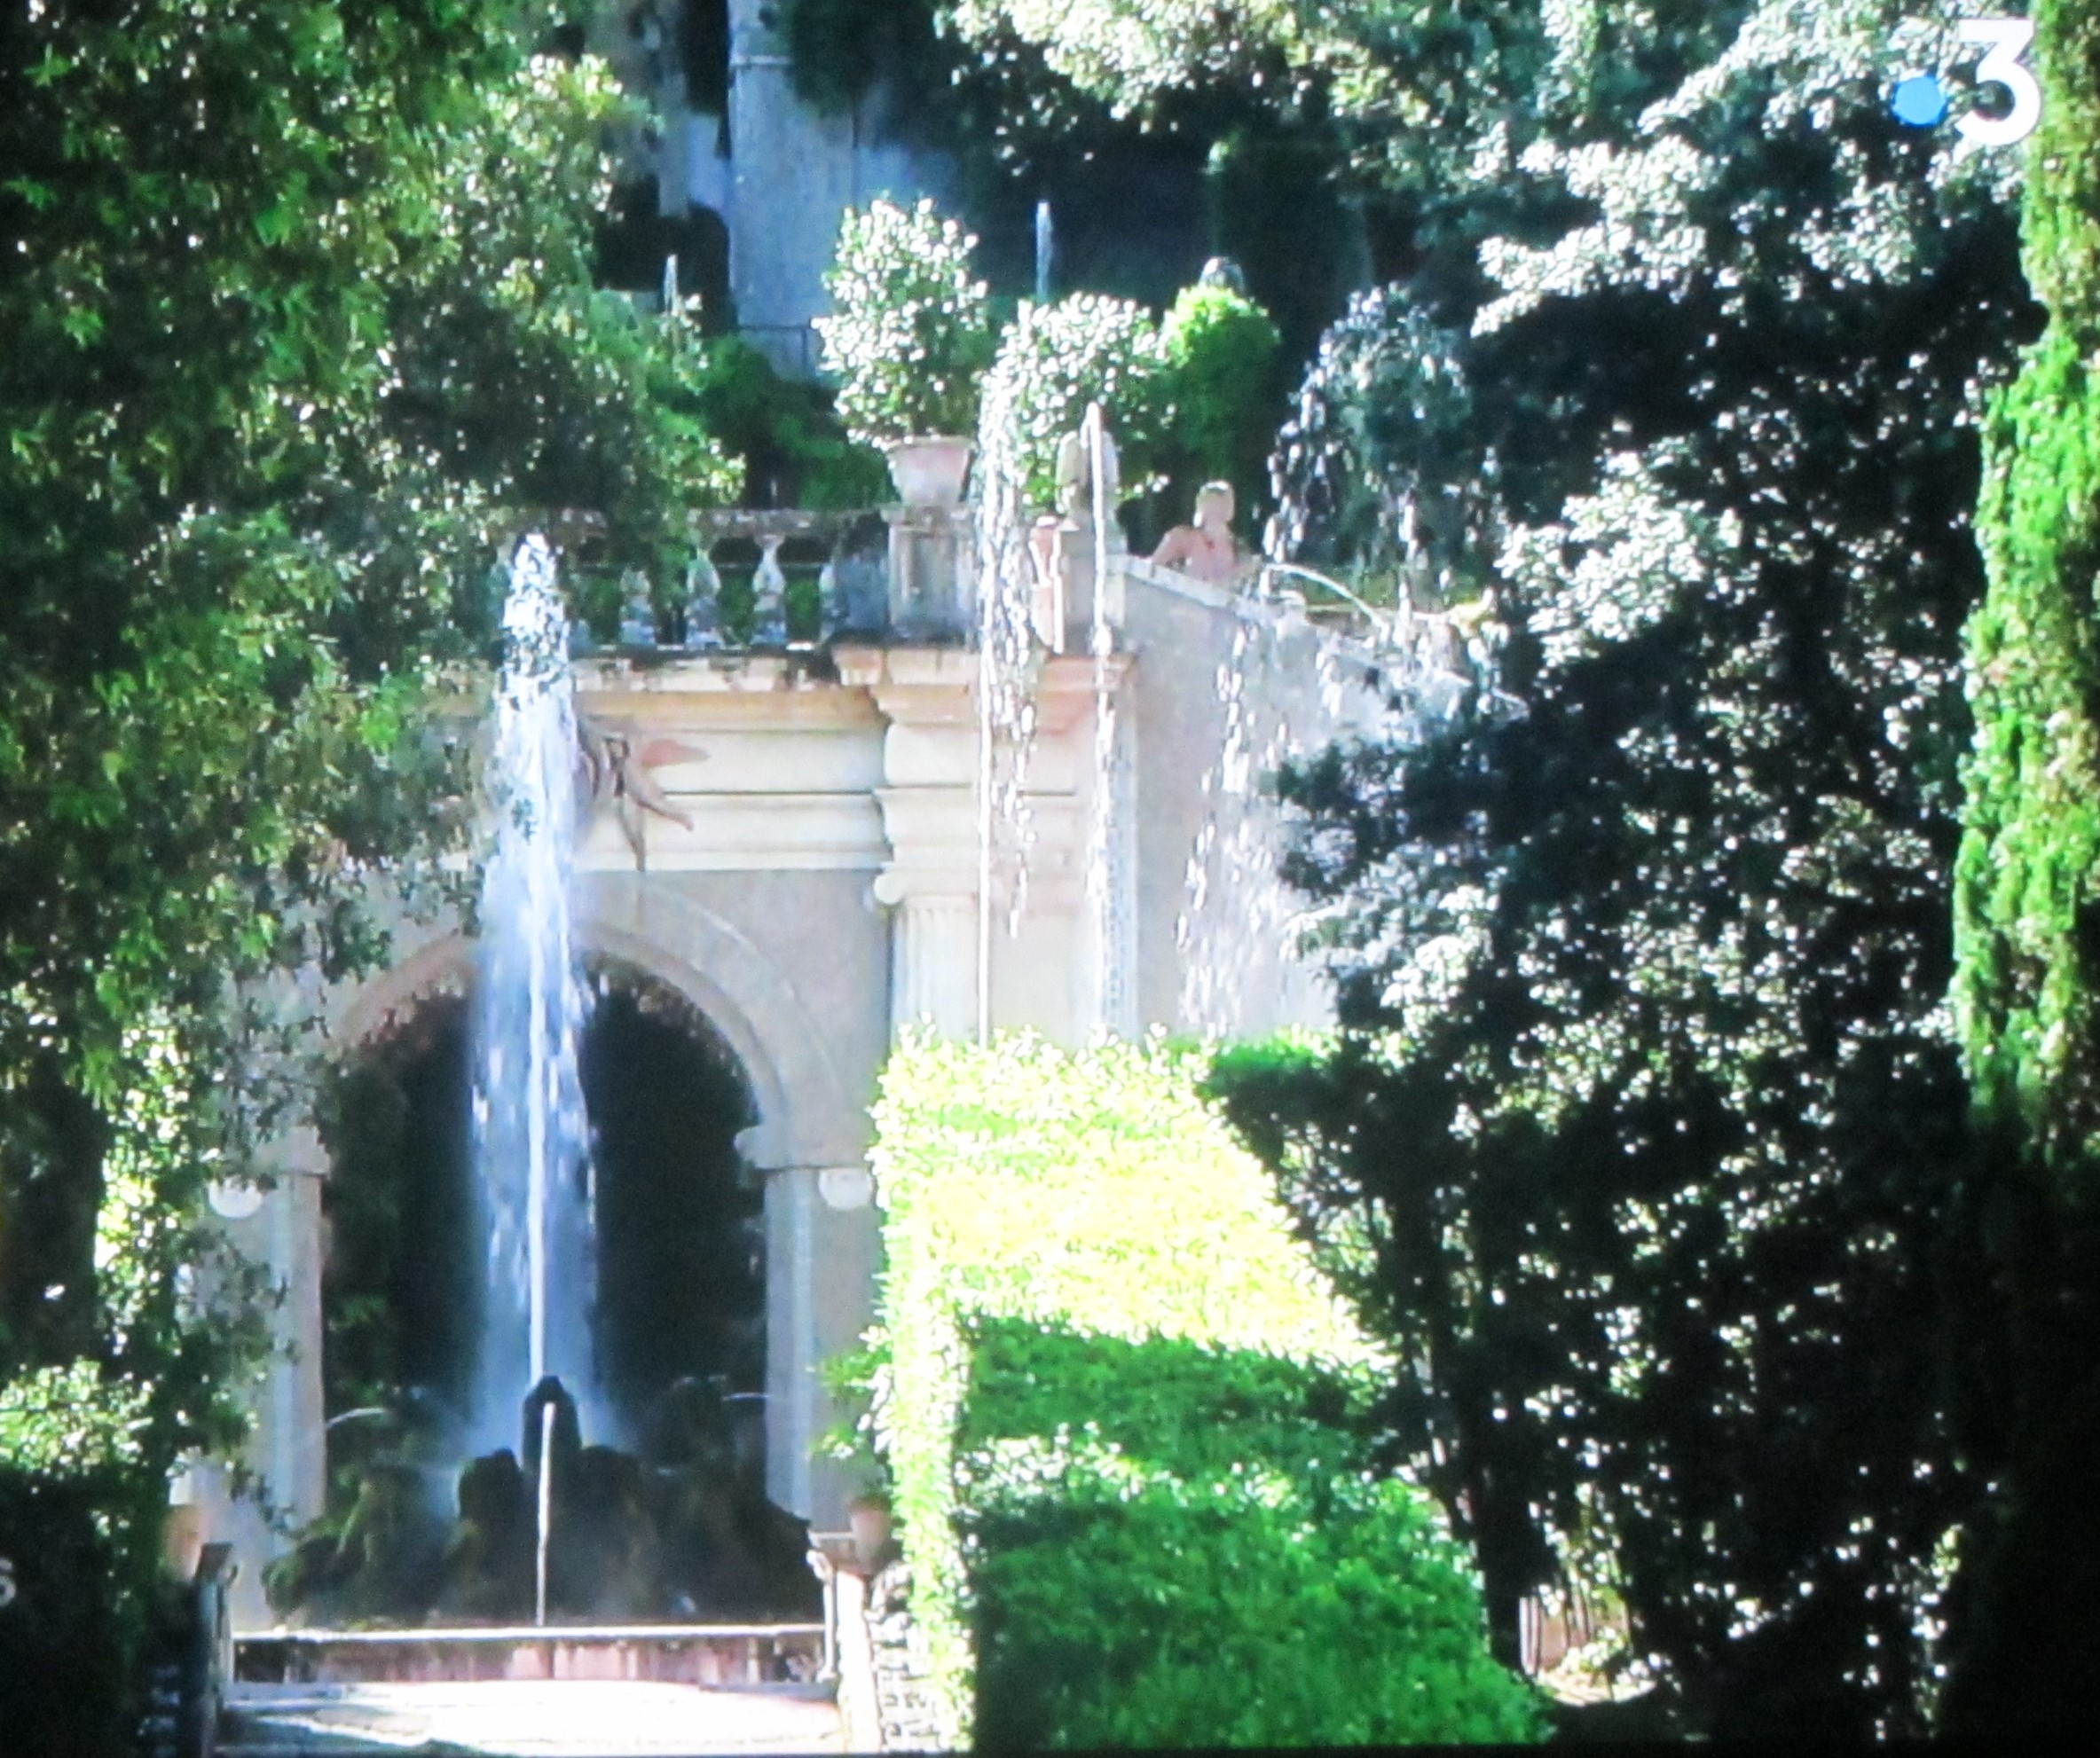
<point x="929" y="807"/>
<point x="820" y="1249"/>
<point x="288" y="1451"/>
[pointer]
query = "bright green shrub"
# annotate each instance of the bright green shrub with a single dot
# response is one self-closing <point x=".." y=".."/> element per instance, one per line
<point x="1117" y="1411"/>
<point x="910" y="334"/>
<point x="1087" y="348"/>
<point x="1221" y="353"/>
<point x="2027" y="941"/>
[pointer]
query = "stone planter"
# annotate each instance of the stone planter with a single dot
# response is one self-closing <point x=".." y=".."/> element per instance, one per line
<point x="929" y="469"/>
<point x="868" y="1516"/>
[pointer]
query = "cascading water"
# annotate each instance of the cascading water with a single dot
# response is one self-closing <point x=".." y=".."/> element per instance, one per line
<point x="1108" y="870"/>
<point x="1289" y="688"/>
<point x="531" y="1150"/>
<point x="1005" y="702"/>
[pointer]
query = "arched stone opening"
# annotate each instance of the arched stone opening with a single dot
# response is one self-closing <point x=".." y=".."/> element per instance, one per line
<point x="680" y="1223"/>
<point x="675" y="1521"/>
<point x="680" y="1268"/>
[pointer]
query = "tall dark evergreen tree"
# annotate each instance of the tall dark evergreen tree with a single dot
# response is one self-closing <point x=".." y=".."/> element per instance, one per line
<point x="2027" y="907"/>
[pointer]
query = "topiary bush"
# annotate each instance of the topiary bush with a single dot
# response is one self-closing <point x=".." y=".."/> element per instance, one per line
<point x="1122" y="1414"/>
<point x="911" y="331"/>
<point x="1221" y="354"/>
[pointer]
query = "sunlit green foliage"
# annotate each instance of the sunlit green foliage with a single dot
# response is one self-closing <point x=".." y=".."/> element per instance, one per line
<point x="2028" y="995"/>
<point x="1116" y="1402"/>
<point x="1055" y="360"/>
<point x="295" y="294"/>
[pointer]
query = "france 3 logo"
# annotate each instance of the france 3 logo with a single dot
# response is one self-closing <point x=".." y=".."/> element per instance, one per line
<point x="1920" y="101"/>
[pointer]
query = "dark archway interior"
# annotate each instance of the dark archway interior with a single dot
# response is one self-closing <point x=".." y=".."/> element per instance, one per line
<point x="681" y="1268"/>
<point x="680" y="1241"/>
<point x="399" y="1302"/>
<point x="668" y="1517"/>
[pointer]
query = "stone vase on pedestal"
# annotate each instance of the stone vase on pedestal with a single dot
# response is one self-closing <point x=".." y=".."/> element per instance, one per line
<point x="930" y="470"/>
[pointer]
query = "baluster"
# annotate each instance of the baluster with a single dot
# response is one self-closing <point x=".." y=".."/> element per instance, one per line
<point x="827" y="619"/>
<point x="769" y="597"/>
<point x="703" y="601"/>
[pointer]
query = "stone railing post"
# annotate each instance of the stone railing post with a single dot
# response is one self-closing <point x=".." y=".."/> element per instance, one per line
<point x="933" y="573"/>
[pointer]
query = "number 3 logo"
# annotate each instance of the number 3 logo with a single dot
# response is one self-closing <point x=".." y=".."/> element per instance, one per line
<point x="2005" y="40"/>
<point x="7" y="1588"/>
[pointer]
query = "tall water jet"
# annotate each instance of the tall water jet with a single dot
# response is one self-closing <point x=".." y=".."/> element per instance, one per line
<point x="1107" y="869"/>
<point x="531" y="1150"/>
<point x="1046" y="246"/>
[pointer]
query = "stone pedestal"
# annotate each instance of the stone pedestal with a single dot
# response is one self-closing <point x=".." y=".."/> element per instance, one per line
<point x="1064" y="606"/>
<point x="933" y="573"/>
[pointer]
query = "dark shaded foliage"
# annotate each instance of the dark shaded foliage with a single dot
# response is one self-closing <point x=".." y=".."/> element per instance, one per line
<point x="1646" y="1140"/>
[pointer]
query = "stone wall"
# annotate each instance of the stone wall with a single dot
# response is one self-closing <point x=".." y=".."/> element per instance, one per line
<point x="815" y="890"/>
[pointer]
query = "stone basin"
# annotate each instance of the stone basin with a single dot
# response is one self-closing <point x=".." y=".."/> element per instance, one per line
<point x="790" y="1656"/>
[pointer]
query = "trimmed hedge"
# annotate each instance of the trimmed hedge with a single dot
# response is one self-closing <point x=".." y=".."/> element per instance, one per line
<point x="1120" y="1408"/>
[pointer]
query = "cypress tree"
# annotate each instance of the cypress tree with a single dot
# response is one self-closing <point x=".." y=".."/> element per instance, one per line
<point x="2027" y="927"/>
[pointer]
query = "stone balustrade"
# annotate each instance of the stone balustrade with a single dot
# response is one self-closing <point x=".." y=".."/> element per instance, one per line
<point x="772" y="580"/>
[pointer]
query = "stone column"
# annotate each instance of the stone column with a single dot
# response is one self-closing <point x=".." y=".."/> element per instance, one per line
<point x="929" y="808"/>
<point x="791" y="179"/>
<point x="820" y="1249"/>
<point x="288" y="1449"/>
<point x="792" y="1387"/>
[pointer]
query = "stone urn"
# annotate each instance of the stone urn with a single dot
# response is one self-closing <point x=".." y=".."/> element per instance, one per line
<point x="868" y="1516"/>
<point x="929" y="469"/>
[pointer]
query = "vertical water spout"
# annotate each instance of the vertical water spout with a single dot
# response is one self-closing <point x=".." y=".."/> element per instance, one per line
<point x="1104" y="873"/>
<point x="543" y="1524"/>
<point x="531" y="1144"/>
<point x="1005" y="696"/>
<point x="1045" y="249"/>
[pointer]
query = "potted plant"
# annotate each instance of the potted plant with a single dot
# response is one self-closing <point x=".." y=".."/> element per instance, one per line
<point x="908" y="338"/>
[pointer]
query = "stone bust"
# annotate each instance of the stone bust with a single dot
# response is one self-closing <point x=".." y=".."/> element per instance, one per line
<point x="1203" y="549"/>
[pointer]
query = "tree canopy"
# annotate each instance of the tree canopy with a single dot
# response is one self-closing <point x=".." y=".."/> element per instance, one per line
<point x="1647" y="1136"/>
<point x="298" y="302"/>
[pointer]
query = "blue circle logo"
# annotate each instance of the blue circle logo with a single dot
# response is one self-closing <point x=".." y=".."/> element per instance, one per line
<point x="1918" y="102"/>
